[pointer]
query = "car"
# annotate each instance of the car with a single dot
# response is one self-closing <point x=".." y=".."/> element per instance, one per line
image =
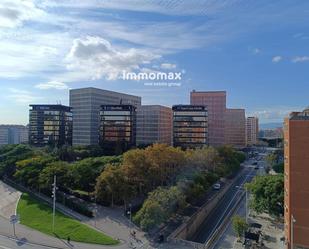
<point x="255" y="163"/>
<point x="256" y="167"/>
<point x="216" y="186"/>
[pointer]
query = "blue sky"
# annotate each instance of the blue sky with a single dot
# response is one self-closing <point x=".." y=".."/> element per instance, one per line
<point x="258" y="51"/>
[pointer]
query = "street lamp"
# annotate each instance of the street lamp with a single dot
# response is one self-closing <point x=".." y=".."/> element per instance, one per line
<point x="54" y="200"/>
<point x="293" y="221"/>
<point x="247" y="209"/>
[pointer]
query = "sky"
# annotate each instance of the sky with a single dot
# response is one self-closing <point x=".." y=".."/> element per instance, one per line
<point x="258" y="51"/>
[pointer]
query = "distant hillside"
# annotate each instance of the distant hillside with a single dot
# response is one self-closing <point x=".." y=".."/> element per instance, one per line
<point x="267" y="126"/>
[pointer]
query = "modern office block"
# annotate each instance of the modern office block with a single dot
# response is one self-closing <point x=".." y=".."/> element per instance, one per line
<point x="86" y="104"/>
<point x="235" y="128"/>
<point x="190" y="126"/>
<point x="118" y="126"/>
<point x="215" y="101"/>
<point x="252" y="130"/>
<point x="296" y="184"/>
<point x="13" y="134"/>
<point x="154" y="125"/>
<point x="50" y="125"/>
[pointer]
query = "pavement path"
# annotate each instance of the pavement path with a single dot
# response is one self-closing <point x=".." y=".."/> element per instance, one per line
<point x="8" y="200"/>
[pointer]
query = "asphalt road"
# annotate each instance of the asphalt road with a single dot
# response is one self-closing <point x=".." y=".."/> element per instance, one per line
<point x="213" y="221"/>
<point x="6" y="243"/>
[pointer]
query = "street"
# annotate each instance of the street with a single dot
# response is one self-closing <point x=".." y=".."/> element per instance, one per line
<point x="213" y="221"/>
<point x="6" y="243"/>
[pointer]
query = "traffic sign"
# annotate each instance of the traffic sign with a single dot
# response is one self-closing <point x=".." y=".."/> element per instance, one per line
<point x="14" y="219"/>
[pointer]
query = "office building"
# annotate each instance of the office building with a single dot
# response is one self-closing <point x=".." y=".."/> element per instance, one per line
<point x="154" y="125"/>
<point x="13" y="134"/>
<point x="118" y="126"/>
<point x="50" y="125"/>
<point x="252" y="130"/>
<point x="190" y="126"/>
<point x="296" y="184"/>
<point x="86" y="104"/>
<point x="215" y="101"/>
<point x="235" y="128"/>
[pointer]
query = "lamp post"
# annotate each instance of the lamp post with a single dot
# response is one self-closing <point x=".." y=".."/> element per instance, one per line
<point x="293" y="221"/>
<point x="54" y="200"/>
<point x="247" y="210"/>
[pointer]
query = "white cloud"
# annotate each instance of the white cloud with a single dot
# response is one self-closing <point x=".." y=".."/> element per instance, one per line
<point x="300" y="59"/>
<point x="168" y="66"/>
<point x="14" y="12"/>
<point x="22" y="96"/>
<point x="277" y="59"/>
<point x="27" y="53"/>
<point x="169" y="7"/>
<point x="273" y="114"/>
<point x="97" y="58"/>
<point x="52" y="85"/>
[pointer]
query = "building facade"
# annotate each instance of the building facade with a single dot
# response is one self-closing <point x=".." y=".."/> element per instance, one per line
<point x="13" y="134"/>
<point x="190" y="126"/>
<point x="50" y="125"/>
<point x="252" y="130"/>
<point x="235" y="132"/>
<point x="86" y="104"/>
<point x="154" y="125"/>
<point x="118" y="126"/>
<point x="296" y="185"/>
<point x="215" y="101"/>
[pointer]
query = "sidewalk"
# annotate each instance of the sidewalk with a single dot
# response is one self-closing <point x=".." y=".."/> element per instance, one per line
<point x="9" y="198"/>
<point x="110" y="221"/>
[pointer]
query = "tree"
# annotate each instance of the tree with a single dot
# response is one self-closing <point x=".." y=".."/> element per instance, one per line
<point x="139" y="170"/>
<point x="231" y="160"/>
<point x="160" y="204"/>
<point x="11" y="154"/>
<point x="150" y="215"/>
<point x="275" y="157"/>
<point x="206" y="158"/>
<point x="28" y="170"/>
<point x="268" y="194"/>
<point x="59" y="169"/>
<point x="278" y="168"/>
<point x="112" y="185"/>
<point x="165" y="161"/>
<point x="239" y="225"/>
<point x="85" y="172"/>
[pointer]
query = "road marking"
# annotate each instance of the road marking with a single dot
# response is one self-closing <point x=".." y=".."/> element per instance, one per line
<point x="225" y="211"/>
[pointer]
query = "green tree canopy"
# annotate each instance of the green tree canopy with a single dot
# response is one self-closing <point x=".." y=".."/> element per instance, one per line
<point x="239" y="225"/>
<point x="268" y="194"/>
<point x="112" y="185"/>
<point x="58" y="168"/>
<point x="166" y="200"/>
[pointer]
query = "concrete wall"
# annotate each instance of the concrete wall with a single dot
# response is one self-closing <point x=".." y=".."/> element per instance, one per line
<point x="188" y="228"/>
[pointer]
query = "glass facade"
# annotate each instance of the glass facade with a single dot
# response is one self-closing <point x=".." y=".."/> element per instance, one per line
<point x="190" y="126"/>
<point x="86" y="105"/>
<point x="118" y="125"/>
<point x="50" y="125"/>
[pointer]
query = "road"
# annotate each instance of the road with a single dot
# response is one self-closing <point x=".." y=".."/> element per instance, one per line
<point x="213" y="221"/>
<point x="6" y="243"/>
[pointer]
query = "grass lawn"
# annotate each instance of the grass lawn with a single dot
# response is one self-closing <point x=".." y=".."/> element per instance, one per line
<point x="38" y="216"/>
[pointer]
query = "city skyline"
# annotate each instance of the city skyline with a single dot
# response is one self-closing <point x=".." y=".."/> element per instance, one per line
<point x="257" y="52"/>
